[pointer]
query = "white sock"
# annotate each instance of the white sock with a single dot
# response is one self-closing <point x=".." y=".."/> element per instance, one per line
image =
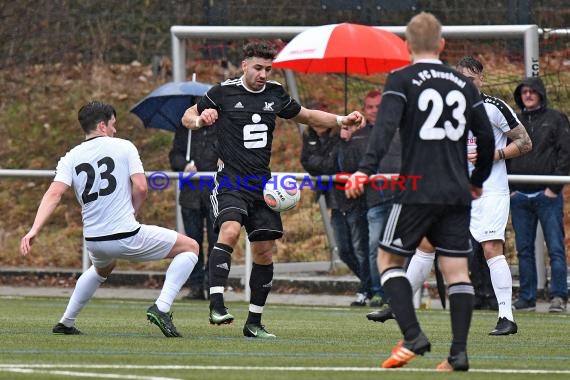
<point x="85" y="287"/>
<point x="176" y="276"/>
<point x="502" y="285"/>
<point x="419" y="268"/>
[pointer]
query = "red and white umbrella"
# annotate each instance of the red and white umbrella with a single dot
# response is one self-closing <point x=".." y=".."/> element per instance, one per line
<point x="344" y="48"/>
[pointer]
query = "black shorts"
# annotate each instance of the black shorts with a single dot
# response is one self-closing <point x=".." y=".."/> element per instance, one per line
<point x="249" y="209"/>
<point x="446" y="227"/>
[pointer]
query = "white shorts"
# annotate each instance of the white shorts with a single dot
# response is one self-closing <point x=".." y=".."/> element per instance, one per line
<point x="489" y="216"/>
<point x="151" y="243"/>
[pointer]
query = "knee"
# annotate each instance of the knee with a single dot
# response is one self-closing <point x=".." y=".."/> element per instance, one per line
<point x="188" y="245"/>
<point x="263" y="258"/>
<point x="492" y="249"/>
<point x="262" y="252"/>
<point x="229" y="233"/>
<point x="106" y="271"/>
<point x="193" y="246"/>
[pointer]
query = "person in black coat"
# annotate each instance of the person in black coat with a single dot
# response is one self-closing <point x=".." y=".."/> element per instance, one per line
<point x="196" y="208"/>
<point x="549" y="131"/>
<point x="328" y="153"/>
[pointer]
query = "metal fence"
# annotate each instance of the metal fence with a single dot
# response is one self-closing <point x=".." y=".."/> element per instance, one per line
<point x="314" y="266"/>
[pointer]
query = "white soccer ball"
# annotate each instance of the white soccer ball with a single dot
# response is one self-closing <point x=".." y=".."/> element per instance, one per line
<point x="281" y="194"/>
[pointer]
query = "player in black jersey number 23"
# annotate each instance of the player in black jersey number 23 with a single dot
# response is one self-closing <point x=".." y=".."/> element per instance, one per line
<point x="244" y="110"/>
<point x="434" y="107"/>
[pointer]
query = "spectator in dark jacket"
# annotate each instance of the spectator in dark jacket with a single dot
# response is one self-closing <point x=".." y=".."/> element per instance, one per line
<point x="326" y="153"/>
<point x="349" y="220"/>
<point x="378" y="202"/>
<point x="549" y="131"/>
<point x="196" y="208"/>
<point x="319" y="157"/>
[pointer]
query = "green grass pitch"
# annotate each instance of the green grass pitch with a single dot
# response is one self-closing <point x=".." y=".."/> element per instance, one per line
<point x="313" y="343"/>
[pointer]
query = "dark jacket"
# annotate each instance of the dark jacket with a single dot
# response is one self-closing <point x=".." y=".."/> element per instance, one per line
<point x="390" y="164"/>
<point x="326" y="155"/>
<point x="549" y="131"/>
<point x="204" y="154"/>
<point x="349" y="154"/>
<point x="319" y="157"/>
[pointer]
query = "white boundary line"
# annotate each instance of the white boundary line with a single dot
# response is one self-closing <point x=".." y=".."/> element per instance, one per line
<point x="30" y="367"/>
<point x="76" y="374"/>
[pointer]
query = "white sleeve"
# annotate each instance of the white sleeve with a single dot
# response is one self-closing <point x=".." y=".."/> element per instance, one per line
<point x="135" y="163"/>
<point x="64" y="170"/>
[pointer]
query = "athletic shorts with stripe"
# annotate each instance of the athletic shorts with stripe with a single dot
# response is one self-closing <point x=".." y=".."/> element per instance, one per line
<point x="249" y="209"/>
<point x="445" y="226"/>
<point x="150" y="243"/>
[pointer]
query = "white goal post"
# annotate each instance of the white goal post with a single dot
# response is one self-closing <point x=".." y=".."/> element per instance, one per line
<point x="179" y="33"/>
<point x="528" y="33"/>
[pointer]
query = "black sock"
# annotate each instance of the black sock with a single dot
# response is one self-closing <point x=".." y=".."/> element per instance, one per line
<point x="219" y="265"/>
<point x="398" y="288"/>
<point x="260" y="286"/>
<point x="461" y="310"/>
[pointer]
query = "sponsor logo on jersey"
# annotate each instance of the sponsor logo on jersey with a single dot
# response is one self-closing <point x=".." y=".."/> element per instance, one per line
<point x="268" y="106"/>
<point x="238" y="105"/>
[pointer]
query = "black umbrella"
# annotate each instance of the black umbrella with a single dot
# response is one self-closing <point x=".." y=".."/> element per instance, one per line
<point x="164" y="107"/>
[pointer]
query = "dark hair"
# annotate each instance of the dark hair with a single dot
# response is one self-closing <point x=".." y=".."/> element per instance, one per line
<point x="259" y="49"/>
<point x="470" y="63"/>
<point x="94" y="112"/>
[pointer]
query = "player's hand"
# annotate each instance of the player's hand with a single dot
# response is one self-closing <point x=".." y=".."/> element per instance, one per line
<point x="190" y="167"/>
<point x="355" y="185"/>
<point x="208" y="117"/>
<point x="476" y="192"/>
<point x="26" y="243"/>
<point x="472" y="156"/>
<point x="354" y="121"/>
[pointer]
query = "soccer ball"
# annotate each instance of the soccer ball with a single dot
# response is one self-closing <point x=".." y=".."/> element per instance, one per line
<point x="281" y="194"/>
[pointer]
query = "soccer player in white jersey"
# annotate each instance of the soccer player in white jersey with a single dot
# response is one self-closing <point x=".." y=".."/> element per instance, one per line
<point x="108" y="178"/>
<point x="489" y="213"/>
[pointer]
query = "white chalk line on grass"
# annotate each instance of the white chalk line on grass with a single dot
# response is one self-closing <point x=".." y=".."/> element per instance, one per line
<point x="28" y="367"/>
<point x="76" y="374"/>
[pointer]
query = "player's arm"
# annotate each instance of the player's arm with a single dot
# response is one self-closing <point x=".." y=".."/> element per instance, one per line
<point x="321" y="120"/>
<point x="192" y="119"/>
<point x="139" y="190"/>
<point x="49" y="202"/>
<point x="482" y="130"/>
<point x="520" y="144"/>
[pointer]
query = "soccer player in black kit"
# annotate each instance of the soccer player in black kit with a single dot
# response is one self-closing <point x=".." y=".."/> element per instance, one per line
<point x="434" y="106"/>
<point x="244" y="110"/>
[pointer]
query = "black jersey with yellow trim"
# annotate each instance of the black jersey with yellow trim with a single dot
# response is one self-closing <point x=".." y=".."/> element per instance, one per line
<point x="434" y="107"/>
<point x="246" y="121"/>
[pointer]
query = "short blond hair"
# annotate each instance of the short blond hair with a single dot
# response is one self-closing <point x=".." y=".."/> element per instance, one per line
<point x="423" y="33"/>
